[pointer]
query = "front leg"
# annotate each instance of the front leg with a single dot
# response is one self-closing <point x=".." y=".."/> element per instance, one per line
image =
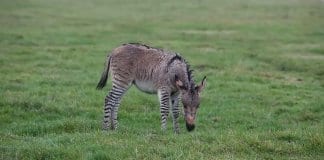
<point x="164" y="97"/>
<point x="175" y="111"/>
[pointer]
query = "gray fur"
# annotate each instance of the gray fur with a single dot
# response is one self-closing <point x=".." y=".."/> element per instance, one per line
<point x="153" y="71"/>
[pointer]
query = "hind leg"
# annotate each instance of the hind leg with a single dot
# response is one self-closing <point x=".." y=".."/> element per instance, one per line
<point x="119" y="91"/>
<point x="112" y="102"/>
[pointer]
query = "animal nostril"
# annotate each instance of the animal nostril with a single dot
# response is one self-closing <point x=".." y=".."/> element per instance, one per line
<point x="190" y="119"/>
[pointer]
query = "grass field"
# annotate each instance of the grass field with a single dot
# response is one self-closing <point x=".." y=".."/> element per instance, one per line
<point x="264" y="62"/>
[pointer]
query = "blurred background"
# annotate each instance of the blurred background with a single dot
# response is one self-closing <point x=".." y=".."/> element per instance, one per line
<point x="264" y="62"/>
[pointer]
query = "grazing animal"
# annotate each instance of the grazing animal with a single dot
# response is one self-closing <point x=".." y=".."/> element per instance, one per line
<point x="153" y="71"/>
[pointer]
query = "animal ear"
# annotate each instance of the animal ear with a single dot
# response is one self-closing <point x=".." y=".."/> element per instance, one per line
<point x="178" y="82"/>
<point x="202" y="85"/>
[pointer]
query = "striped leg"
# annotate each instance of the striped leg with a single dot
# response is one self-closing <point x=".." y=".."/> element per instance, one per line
<point x="119" y="92"/>
<point x="109" y="103"/>
<point x="164" y="97"/>
<point x="112" y="102"/>
<point x="175" y="111"/>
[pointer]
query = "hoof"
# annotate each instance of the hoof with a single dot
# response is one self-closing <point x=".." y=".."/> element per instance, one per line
<point x="105" y="126"/>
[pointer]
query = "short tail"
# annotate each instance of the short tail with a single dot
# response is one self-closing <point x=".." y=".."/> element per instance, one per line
<point x="104" y="75"/>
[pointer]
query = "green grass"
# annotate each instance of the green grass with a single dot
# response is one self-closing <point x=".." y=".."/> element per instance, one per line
<point x="264" y="62"/>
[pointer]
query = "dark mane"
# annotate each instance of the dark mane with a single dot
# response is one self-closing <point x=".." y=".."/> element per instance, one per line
<point x="143" y="45"/>
<point x="176" y="57"/>
<point x="189" y="71"/>
<point x="190" y="77"/>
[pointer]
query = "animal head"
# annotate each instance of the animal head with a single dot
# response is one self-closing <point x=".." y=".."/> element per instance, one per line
<point x="190" y="96"/>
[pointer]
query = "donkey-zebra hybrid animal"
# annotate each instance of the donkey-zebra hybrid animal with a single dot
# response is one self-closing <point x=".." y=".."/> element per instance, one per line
<point x="153" y="71"/>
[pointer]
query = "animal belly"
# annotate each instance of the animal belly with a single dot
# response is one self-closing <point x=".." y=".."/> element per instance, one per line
<point x="146" y="86"/>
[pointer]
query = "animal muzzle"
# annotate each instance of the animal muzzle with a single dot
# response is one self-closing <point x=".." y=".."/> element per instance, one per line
<point x="190" y="123"/>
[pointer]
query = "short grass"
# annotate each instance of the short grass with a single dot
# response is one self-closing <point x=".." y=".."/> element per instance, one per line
<point x="264" y="61"/>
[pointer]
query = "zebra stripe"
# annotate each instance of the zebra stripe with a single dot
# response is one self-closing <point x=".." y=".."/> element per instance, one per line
<point x="164" y="98"/>
<point x="175" y="112"/>
<point x="112" y="102"/>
